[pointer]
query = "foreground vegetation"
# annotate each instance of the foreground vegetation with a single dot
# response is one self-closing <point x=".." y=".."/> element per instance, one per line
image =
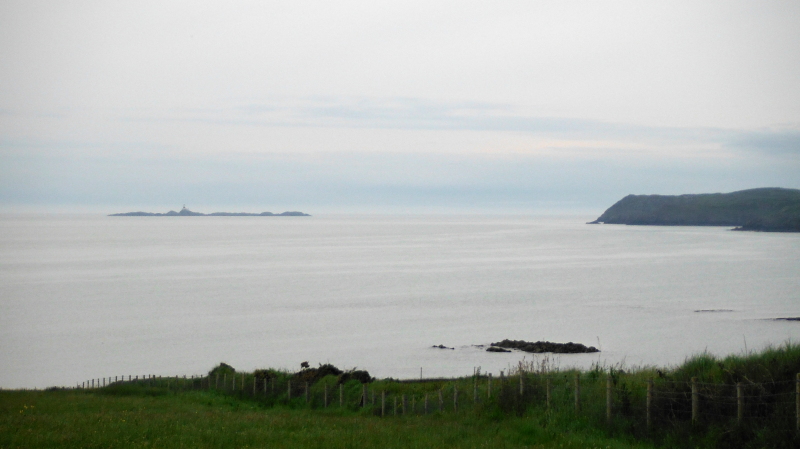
<point x="533" y="406"/>
<point x="202" y="419"/>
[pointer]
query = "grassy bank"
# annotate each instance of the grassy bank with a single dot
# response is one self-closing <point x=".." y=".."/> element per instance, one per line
<point x="202" y="419"/>
<point x="737" y="402"/>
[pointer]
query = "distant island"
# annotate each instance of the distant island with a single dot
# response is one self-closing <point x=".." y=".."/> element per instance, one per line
<point x="187" y="213"/>
<point x="766" y="209"/>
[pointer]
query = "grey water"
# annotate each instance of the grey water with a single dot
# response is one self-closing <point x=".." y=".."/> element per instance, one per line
<point x="84" y="296"/>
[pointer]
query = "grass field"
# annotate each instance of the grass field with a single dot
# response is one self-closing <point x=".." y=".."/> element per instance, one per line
<point x="207" y="413"/>
<point x="202" y="419"/>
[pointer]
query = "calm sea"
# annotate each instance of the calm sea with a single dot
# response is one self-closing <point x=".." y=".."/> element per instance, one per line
<point x="91" y="296"/>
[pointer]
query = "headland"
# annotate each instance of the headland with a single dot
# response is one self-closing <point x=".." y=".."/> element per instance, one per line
<point x="769" y="209"/>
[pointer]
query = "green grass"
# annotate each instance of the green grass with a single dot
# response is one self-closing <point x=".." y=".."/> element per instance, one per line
<point x="187" y="413"/>
<point x="202" y="419"/>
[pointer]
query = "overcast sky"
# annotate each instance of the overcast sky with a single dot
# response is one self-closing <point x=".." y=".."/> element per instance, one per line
<point x="501" y="106"/>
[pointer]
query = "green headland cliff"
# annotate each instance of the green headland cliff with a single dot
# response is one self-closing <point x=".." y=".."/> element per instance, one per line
<point x="764" y="209"/>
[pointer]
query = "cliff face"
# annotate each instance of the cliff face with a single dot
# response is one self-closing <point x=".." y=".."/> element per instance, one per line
<point x="765" y="209"/>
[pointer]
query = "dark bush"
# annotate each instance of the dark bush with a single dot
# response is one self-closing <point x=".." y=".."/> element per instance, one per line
<point x="312" y="375"/>
<point x="359" y="375"/>
<point x="222" y="368"/>
<point x="265" y="374"/>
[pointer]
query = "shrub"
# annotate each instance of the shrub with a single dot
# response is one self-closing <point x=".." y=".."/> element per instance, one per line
<point x="222" y="368"/>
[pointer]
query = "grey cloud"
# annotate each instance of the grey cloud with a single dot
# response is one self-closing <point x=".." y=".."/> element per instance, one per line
<point x="416" y="114"/>
<point x="778" y="143"/>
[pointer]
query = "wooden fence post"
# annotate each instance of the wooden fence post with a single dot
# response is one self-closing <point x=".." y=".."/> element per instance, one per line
<point x="341" y="395"/>
<point x="475" y="390"/>
<point x="404" y="404"/>
<point x="224" y="380"/>
<point x="289" y="390"/>
<point x="395" y="406"/>
<point x="426" y="403"/>
<point x="547" y="391"/>
<point x="695" y="401"/>
<point x="254" y="385"/>
<point x="649" y="402"/>
<point x="739" y="403"/>
<point x="609" y="397"/>
<point x="306" y="392"/>
<point x="521" y="383"/>
<point x="265" y="386"/>
<point x="383" y="403"/>
<point x="413" y="405"/>
<point x="363" y="395"/>
<point x="233" y="382"/>
<point x="455" y="398"/>
<point x="797" y="400"/>
<point x="441" y="401"/>
<point x="577" y="392"/>
<point x="489" y="387"/>
<point x="242" y="387"/>
<point x="325" y="400"/>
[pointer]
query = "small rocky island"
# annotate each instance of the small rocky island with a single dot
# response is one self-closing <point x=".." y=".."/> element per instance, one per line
<point x="540" y="347"/>
<point x="187" y="213"/>
<point x="764" y="209"/>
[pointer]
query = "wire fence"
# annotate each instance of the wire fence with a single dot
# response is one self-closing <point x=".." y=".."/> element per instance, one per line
<point x="639" y="404"/>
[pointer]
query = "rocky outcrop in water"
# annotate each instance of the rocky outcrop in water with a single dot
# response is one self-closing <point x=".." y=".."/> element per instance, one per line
<point x="496" y="349"/>
<point x="543" y="346"/>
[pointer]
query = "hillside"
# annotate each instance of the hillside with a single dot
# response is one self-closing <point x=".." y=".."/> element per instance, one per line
<point x="764" y="209"/>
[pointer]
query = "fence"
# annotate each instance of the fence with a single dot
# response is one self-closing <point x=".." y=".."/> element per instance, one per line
<point x="613" y="396"/>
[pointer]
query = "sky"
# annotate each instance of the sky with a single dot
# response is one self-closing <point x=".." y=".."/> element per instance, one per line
<point x="393" y="107"/>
